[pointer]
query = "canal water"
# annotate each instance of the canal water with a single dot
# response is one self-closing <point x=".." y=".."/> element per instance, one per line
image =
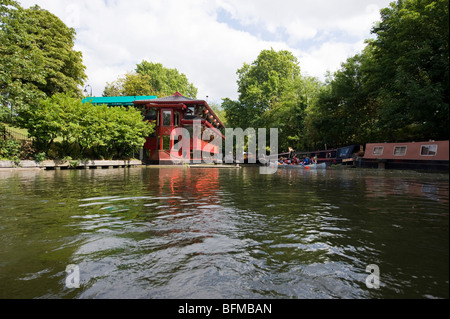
<point x="224" y="233"/>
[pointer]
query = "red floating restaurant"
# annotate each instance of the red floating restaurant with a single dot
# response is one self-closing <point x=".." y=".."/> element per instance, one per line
<point x="172" y="112"/>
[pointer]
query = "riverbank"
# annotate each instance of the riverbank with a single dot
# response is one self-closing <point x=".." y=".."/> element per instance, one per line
<point x="96" y="164"/>
<point x="74" y="164"/>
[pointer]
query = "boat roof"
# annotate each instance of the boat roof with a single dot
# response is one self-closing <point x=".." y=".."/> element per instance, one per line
<point x="118" y="100"/>
<point x="178" y="98"/>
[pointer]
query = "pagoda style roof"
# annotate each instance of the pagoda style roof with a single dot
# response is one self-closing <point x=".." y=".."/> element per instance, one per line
<point x="178" y="99"/>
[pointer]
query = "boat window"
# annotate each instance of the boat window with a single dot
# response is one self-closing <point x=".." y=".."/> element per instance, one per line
<point x="167" y="118"/>
<point x="176" y="119"/>
<point x="166" y="143"/>
<point x="399" y="150"/>
<point x="149" y="114"/>
<point x="378" y="150"/>
<point x="428" y="150"/>
<point x="343" y="152"/>
<point x="190" y="129"/>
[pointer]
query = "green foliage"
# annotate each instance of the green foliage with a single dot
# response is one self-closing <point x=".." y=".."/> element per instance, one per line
<point x="264" y="81"/>
<point x="15" y="151"/>
<point x="272" y="93"/>
<point x="84" y="130"/>
<point x="151" y="79"/>
<point x="410" y="70"/>
<point x="397" y="89"/>
<point x="40" y="157"/>
<point x="166" y="81"/>
<point x="36" y="56"/>
<point x="131" y="84"/>
<point x="344" y="113"/>
<point x="5" y="6"/>
<point x="4" y="113"/>
<point x="234" y="113"/>
<point x="9" y="150"/>
<point x="219" y="111"/>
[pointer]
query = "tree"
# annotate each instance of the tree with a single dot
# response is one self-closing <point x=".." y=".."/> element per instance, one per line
<point x="273" y="94"/>
<point x="410" y="73"/>
<point x="396" y="89"/>
<point x="263" y="82"/>
<point x="4" y="113"/>
<point x="131" y="84"/>
<point x="37" y="58"/>
<point x="219" y="111"/>
<point x="167" y="81"/>
<point x="288" y="113"/>
<point x="151" y="79"/>
<point x="235" y="113"/>
<point x="345" y="113"/>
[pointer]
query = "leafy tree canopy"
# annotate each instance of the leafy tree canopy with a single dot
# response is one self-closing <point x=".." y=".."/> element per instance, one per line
<point x="167" y="81"/>
<point x="151" y="79"/>
<point x="37" y="58"/>
<point x="410" y="70"/>
<point x="397" y="89"/>
<point x="131" y="84"/>
<point x="264" y="81"/>
<point x="272" y="93"/>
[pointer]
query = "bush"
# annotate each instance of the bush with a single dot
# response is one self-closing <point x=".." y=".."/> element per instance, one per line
<point x="84" y="130"/>
<point x="15" y="151"/>
<point x="27" y="151"/>
<point x="9" y="150"/>
<point x="40" y="157"/>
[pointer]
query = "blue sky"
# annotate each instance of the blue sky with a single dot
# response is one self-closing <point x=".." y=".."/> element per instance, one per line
<point x="208" y="40"/>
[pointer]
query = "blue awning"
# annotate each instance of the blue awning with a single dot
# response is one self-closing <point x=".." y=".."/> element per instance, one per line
<point x="117" y="100"/>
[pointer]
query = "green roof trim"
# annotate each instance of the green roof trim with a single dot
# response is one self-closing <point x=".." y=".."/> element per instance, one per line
<point x="117" y="100"/>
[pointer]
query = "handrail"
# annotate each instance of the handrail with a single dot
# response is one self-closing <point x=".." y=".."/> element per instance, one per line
<point x="6" y="132"/>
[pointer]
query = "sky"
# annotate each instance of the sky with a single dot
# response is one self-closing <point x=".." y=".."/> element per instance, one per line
<point x="209" y="40"/>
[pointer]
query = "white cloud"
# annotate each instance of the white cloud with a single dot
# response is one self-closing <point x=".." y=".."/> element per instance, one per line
<point x="328" y="57"/>
<point x="116" y="35"/>
<point x="353" y="16"/>
<point x="298" y="31"/>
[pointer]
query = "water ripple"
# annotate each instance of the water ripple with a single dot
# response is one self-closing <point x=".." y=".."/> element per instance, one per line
<point x="179" y="233"/>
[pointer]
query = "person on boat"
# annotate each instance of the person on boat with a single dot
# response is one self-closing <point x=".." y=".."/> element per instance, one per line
<point x="280" y="160"/>
<point x="306" y="161"/>
<point x="314" y="160"/>
<point x="283" y="161"/>
<point x="291" y="152"/>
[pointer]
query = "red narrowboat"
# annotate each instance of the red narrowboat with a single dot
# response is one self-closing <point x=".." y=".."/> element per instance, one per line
<point x="430" y="155"/>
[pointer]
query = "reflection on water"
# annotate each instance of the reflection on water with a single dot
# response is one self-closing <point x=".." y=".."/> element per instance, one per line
<point x="223" y="233"/>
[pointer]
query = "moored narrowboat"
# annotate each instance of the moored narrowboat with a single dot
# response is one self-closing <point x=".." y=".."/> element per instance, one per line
<point x="430" y="155"/>
<point x="347" y="155"/>
<point x="324" y="156"/>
